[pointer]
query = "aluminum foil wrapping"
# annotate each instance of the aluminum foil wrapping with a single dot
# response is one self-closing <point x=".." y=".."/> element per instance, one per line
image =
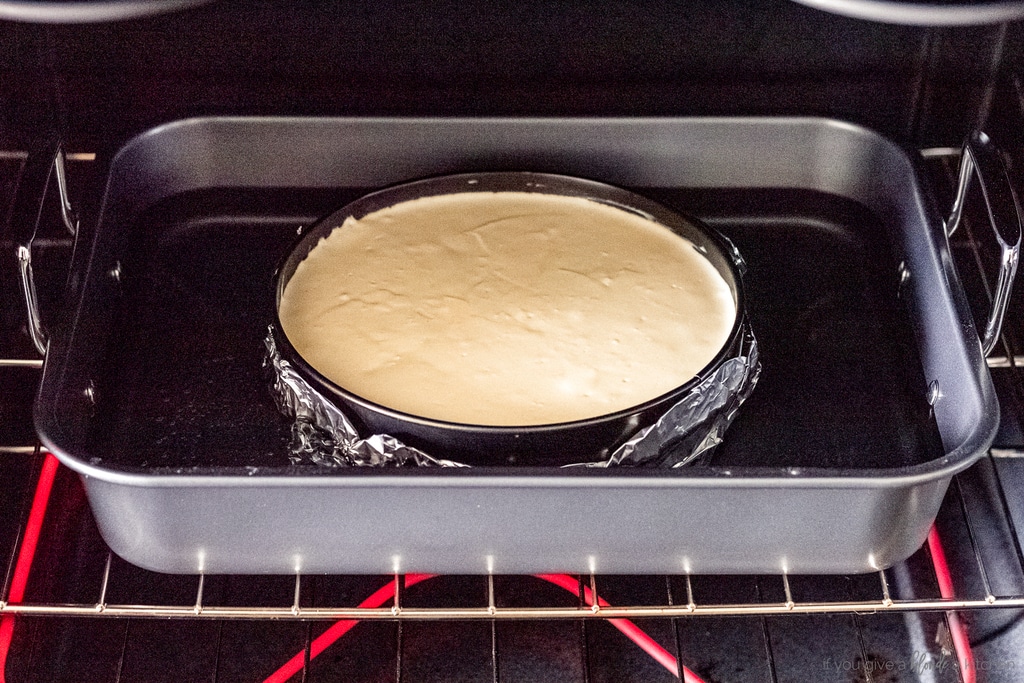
<point x="322" y="435"/>
<point x="691" y="429"/>
<point x="686" y="434"/>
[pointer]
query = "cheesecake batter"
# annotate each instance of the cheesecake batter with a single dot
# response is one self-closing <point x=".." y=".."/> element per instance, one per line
<point x="506" y="308"/>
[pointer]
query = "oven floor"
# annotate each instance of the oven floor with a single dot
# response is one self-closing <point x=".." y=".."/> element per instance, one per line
<point x="979" y="521"/>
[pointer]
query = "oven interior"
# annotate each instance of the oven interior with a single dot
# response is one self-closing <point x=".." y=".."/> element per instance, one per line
<point x="71" y="610"/>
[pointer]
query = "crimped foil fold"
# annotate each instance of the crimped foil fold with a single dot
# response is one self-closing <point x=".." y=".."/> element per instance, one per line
<point x="690" y="430"/>
<point x="686" y="434"/>
<point x="322" y="435"/>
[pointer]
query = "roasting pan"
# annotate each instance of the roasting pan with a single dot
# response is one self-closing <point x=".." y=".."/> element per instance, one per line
<point x="874" y="391"/>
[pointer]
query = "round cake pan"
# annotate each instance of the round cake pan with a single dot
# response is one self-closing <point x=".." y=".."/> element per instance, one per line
<point x="586" y="440"/>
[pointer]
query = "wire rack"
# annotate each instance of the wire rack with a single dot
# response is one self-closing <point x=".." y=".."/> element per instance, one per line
<point x="690" y="606"/>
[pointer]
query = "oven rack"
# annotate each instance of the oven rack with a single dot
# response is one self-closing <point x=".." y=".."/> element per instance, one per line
<point x="982" y="586"/>
<point x="884" y="602"/>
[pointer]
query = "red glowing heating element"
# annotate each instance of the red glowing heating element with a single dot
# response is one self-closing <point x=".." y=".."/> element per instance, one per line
<point x="569" y="583"/>
<point x="23" y="565"/>
<point x="957" y="631"/>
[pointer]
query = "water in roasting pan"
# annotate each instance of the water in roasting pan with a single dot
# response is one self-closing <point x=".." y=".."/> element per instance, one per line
<point x="841" y="384"/>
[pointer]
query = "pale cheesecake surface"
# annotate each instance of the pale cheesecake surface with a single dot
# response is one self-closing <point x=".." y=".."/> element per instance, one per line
<point x="506" y="308"/>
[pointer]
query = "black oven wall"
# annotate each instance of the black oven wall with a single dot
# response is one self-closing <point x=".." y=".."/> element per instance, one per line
<point x="100" y="83"/>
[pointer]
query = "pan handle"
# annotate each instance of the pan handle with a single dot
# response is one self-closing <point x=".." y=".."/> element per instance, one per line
<point x="981" y="158"/>
<point x="33" y="196"/>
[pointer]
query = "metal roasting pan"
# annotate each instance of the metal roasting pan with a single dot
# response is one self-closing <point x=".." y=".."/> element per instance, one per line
<point x="875" y="389"/>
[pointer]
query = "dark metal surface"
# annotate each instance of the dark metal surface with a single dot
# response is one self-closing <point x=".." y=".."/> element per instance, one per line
<point x="106" y="82"/>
